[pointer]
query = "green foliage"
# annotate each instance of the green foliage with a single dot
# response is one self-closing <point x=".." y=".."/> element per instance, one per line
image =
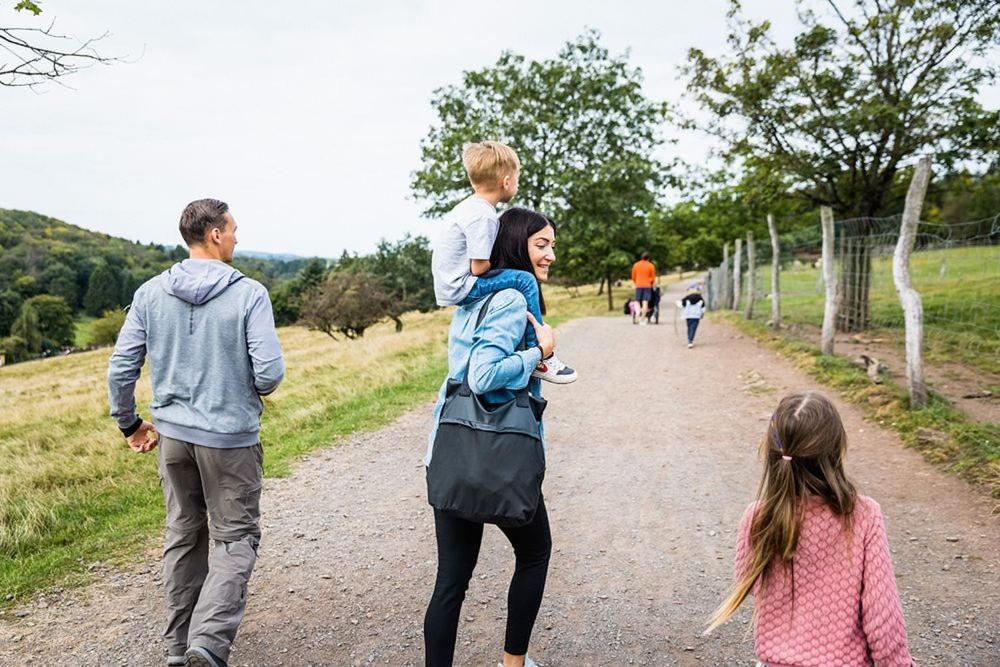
<point x="14" y="348"/>
<point x="860" y="92"/>
<point x="286" y="299"/>
<point x="585" y="134"/>
<point x="104" y="330"/>
<point x="28" y="5"/>
<point x="59" y="280"/>
<point x="104" y="289"/>
<point x="55" y="320"/>
<point x="10" y="306"/>
<point x="27" y="328"/>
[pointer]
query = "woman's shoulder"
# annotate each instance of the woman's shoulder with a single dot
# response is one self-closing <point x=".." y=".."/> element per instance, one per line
<point x="508" y="300"/>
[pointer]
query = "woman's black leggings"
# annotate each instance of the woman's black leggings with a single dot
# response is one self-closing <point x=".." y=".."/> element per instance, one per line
<point x="458" y="543"/>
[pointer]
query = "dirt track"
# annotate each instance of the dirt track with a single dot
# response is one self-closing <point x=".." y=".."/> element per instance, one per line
<point x="651" y="462"/>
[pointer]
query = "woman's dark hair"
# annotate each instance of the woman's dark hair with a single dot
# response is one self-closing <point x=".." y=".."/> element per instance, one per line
<point x="510" y="250"/>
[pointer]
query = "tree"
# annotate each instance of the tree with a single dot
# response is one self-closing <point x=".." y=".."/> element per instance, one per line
<point x="585" y="134"/>
<point x="55" y="320"/>
<point x="13" y="349"/>
<point x="286" y="297"/>
<point x="10" y="307"/>
<point x="405" y="270"/>
<point x="862" y="91"/>
<point x="348" y="302"/>
<point x="103" y="289"/>
<point x="60" y="280"/>
<point x="104" y="331"/>
<point x="38" y="54"/>
<point x="26" y="327"/>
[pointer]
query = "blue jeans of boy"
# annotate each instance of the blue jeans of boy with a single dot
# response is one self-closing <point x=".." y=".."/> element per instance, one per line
<point x="692" y="323"/>
<point x="501" y="279"/>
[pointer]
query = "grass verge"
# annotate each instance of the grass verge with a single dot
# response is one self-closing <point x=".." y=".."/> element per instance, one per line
<point x="941" y="433"/>
<point x="71" y="493"/>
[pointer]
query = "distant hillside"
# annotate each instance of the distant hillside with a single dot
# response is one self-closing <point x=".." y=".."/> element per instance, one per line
<point x="92" y="272"/>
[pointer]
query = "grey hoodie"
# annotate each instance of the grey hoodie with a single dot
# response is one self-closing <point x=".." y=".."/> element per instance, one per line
<point x="208" y="334"/>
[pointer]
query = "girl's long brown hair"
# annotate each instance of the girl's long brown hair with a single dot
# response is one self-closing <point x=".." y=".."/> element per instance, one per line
<point x="807" y="428"/>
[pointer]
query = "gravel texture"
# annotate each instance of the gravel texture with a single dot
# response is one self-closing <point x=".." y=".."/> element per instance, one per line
<point x="651" y="461"/>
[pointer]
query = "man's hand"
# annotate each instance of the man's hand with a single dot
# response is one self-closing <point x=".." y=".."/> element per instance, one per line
<point x="479" y="267"/>
<point x="545" y="335"/>
<point x="144" y="440"/>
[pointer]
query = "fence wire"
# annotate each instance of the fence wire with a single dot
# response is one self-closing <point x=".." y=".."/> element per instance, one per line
<point x="955" y="268"/>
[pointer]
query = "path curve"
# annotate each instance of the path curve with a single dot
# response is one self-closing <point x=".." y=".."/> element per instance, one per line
<point x="651" y="463"/>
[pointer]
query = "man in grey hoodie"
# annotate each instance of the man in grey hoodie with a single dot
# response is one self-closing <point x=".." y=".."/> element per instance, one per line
<point x="207" y="333"/>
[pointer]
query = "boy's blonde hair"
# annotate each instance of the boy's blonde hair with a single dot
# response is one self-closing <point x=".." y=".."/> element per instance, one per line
<point x="487" y="162"/>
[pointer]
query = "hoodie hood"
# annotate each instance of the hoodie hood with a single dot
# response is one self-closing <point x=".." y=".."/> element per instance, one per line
<point x="198" y="281"/>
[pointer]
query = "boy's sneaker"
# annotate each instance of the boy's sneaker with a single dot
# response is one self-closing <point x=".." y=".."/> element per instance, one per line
<point x="690" y="345"/>
<point x="197" y="656"/>
<point x="175" y="661"/>
<point x="553" y="370"/>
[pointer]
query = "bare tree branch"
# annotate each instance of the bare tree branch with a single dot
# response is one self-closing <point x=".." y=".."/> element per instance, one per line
<point x="41" y="55"/>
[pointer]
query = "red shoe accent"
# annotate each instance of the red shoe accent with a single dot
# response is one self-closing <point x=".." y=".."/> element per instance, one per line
<point x="542" y="368"/>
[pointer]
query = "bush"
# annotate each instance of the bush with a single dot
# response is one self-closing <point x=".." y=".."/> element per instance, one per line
<point x="14" y="349"/>
<point x="104" y="330"/>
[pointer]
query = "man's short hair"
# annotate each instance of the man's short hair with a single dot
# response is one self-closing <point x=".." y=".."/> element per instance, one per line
<point x="645" y="256"/>
<point x="487" y="162"/>
<point x="199" y="217"/>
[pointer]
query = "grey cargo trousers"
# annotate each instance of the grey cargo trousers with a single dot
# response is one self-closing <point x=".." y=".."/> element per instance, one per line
<point x="210" y="494"/>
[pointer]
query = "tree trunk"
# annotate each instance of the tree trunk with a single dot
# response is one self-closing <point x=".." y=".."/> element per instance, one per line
<point x="909" y="298"/>
<point x="398" y="321"/>
<point x="829" y="279"/>
<point x="611" y="293"/>
<point x="751" y="275"/>
<point x="600" y="289"/>
<point x="737" y="274"/>
<point x="775" y="271"/>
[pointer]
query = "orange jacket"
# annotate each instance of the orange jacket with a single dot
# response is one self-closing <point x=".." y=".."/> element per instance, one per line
<point x="643" y="273"/>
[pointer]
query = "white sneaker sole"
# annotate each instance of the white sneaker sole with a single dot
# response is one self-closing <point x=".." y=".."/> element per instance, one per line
<point x="556" y="379"/>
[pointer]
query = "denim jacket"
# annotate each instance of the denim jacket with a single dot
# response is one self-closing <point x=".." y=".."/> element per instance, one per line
<point x="496" y="369"/>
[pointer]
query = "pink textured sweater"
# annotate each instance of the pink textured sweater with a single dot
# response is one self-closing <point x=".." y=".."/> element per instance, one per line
<point x="846" y="610"/>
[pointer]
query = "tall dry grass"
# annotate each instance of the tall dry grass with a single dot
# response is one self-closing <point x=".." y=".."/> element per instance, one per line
<point x="71" y="492"/>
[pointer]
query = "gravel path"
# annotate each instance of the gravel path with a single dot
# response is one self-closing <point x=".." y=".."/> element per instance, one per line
<point x="651" y="463"/>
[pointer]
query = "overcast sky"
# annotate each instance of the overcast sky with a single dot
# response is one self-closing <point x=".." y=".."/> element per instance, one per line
<point x="305" y="117"/>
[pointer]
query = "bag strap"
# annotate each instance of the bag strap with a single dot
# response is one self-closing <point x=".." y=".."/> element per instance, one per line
<point x="465" y="390"/>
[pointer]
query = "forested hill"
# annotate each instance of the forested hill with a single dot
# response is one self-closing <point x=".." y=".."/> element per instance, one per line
<point x="90" y="272"/>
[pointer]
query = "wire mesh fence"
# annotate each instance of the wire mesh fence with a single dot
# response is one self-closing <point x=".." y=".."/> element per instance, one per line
<point x="955" y="268"/>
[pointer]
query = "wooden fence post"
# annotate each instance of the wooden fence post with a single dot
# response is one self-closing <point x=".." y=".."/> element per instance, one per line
<point x="830" y="280"/>
<point x="737" y="274"/>
<point x="751" y="277"/>
<point x="775" y="270"/>
<point x="724" y="282"/>
<point x="909" y="298"/>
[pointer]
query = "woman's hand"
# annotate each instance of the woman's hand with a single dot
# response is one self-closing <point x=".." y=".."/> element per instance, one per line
<point x="545" y="335"/>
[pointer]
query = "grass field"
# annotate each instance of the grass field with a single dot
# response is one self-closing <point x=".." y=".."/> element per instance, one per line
<point x="82" y="330"/>
<point x="71" y="493"/>
<point x="960" y="288"/>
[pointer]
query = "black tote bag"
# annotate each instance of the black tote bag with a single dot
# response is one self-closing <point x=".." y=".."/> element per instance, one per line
<point x="488" y="461"/>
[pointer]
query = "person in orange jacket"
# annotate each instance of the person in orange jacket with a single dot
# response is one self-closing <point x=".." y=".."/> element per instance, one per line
<point x="643" y="278"/>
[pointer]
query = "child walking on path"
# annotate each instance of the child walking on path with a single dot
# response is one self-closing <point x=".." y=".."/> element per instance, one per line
<point x="460" y="257"/>
<point x="814" y="553"/>
<point x="692" y="310"/>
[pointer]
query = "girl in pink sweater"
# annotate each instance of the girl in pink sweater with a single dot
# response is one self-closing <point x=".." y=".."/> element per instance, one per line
<point x="814" y="553"/>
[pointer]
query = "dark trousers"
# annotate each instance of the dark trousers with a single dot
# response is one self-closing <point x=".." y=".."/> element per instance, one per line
<point x="458" y="543"/>
<point x="692" y="328"/>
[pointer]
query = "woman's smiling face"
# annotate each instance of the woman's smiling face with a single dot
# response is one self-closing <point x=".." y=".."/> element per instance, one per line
<point x="541" y="251"/>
